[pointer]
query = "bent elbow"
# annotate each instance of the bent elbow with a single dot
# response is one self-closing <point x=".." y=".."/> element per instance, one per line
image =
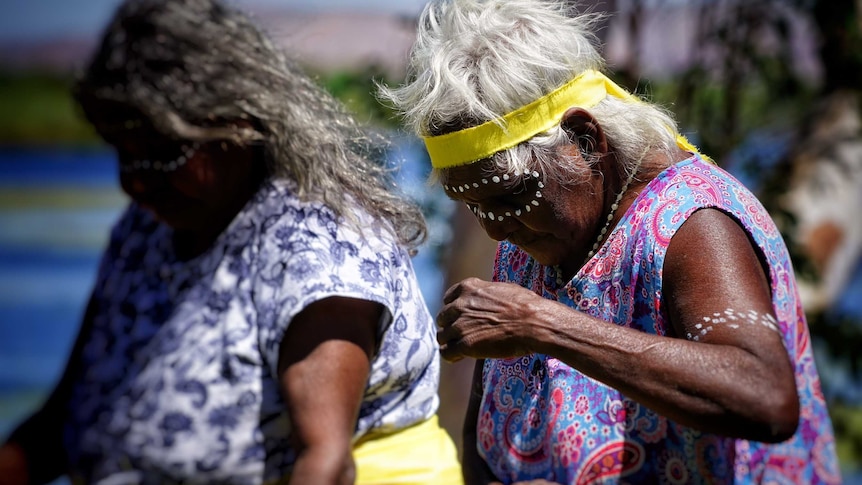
<point x="782" y="418"/>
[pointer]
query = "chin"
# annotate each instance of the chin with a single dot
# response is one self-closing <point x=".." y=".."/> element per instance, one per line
<point x="544" y="258"/>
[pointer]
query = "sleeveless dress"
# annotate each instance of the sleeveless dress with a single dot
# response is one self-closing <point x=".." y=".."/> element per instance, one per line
<point x="178" y="378"/>
<point x="540" y="418"/>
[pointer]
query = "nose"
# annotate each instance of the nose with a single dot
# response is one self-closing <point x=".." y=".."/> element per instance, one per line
<point x="498" y="226"/>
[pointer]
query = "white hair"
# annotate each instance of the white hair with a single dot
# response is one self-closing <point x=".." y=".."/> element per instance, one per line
<point x="476" y="60"/>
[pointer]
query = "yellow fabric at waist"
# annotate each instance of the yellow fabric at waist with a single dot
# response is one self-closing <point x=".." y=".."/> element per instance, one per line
<point x="423" y="454"/>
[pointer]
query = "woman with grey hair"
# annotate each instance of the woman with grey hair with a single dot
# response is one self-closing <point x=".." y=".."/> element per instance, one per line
<point x="643" y="325"/>
<point x="256" y="317"/>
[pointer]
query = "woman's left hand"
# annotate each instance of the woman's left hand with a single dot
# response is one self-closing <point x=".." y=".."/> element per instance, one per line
<point x="481" y="319"/>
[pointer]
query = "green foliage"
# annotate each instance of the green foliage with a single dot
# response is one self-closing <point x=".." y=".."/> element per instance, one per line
<point x="356" y="90"/>
<point x="701" y="104"/>
<point x="37" y="108"/>
<point x="847" y="421"/>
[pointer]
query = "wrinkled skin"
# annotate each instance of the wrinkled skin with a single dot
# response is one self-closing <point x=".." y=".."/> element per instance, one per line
<point x="710" y="266"/>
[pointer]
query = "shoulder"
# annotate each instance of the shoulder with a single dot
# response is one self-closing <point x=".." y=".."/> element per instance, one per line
<point x="713" y="255"/>
<point x="305" y="246"/>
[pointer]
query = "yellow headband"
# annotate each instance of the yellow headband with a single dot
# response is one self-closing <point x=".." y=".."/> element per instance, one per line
<point x="479" y="142"/>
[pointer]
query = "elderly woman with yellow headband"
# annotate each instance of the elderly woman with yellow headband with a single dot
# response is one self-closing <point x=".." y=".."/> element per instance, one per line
<point x="643" y="325"/>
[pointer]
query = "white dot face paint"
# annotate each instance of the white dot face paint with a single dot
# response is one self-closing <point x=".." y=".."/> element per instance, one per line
<point x="509" y="187"/>
<point x="731" y="319"/>
<point x="166" y="166"/>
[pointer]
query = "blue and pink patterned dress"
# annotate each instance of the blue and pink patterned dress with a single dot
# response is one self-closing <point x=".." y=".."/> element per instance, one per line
<point x="540" y="418"/>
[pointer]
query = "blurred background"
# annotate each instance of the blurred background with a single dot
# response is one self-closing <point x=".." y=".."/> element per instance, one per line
<point x="770" y="89"/>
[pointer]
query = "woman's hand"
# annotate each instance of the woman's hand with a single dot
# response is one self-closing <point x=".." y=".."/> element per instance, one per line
<point x="481" y="319"/>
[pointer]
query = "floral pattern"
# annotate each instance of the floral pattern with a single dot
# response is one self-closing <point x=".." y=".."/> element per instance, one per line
<point x="176" y="379"/>
<point x="543" y="419"/>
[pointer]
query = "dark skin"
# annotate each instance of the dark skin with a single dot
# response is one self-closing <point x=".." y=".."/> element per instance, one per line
<point x="325" y="363"/>
<point x="737" y="382"/>
<point x="325" y="355"/>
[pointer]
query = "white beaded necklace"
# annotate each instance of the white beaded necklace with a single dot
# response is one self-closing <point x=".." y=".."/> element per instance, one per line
<point x="613" y="211"/>
<point x="162" y="166"/>
<point x="608" y="220"/>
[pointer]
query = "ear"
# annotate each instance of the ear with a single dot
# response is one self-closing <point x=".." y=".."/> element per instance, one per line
<point x="584" y="131"/>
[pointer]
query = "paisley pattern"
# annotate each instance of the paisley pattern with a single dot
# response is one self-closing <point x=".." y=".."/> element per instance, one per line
<point x="540" y="418"/>
<point x="177" y="379"/>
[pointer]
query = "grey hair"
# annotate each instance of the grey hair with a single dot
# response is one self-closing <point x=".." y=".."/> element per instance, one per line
<point x="194" y="68"/>
<point x="476" y="60"/>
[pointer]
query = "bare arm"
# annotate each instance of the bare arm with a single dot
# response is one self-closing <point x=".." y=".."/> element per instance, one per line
<point x="325" y="360"/>
<point x="733" y="381"/>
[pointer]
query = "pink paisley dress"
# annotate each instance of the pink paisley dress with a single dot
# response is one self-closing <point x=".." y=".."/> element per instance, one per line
<point x="540" y="418"/>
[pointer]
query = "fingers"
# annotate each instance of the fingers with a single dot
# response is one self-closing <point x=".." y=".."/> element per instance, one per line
<point x="449" y="353"/>
<point x="456" y="290"/>
<point x="447" y="315"/>
<point x="452" y="293"/>
<point x="448" y="337"/>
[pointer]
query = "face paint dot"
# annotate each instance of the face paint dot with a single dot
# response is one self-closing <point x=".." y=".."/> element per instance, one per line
<point x="499" y="218"/>
<point x="538" y="194"/>
<point x="495" y="179"/>
<point x="475" y="185"/>
<point x="490" y="215"/>
<point x="541" y="185"/>
<point x="535" y="202"/>
<point x="485" y="181"/>
<point x="505" y="176"/>
<point x="517" y="212"/>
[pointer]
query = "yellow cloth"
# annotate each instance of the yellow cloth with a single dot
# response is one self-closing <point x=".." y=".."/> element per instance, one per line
<point x="423" y="454"/>
<point x="479" y="142"/>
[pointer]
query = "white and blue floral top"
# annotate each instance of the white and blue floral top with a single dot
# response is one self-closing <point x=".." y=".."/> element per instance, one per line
<point x="177" y="378"/>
